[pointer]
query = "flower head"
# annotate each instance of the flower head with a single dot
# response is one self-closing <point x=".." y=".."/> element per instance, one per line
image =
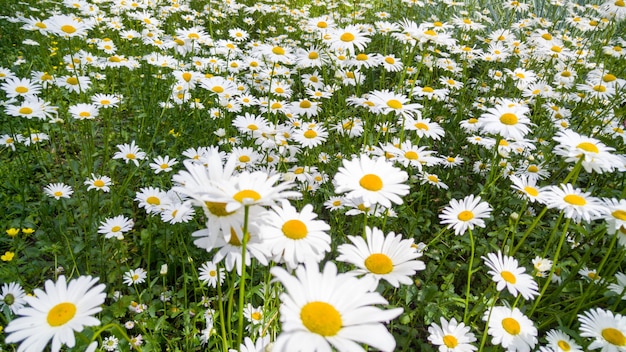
<point x="465" y="214"/>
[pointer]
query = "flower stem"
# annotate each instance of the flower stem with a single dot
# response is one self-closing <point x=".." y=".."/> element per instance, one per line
<point x="242" y="282"/>
<point x="469" y="276"/>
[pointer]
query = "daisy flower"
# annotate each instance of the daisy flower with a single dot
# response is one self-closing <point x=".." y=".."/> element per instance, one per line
<point x="348" y="39"/>
<point x="12" y="296"/>
<point x="561" y="342"/>
<point x="211" y="274"/>
<point x="20" y="87"/>
<point x="574" y="203"/>
<point x="254" y="315"/>
<point x="375" y="180"/>
<point x="321" y="310"/>
<point x="595" y="155"/>
<point x="451" y="336"/>
<point x="56" y="313"/>
<point x="262" y="344"/>
<point x="163" y="164"/>
<point x="129" y="152"/>
<point x="606" y="328"/>
<point x="116" y="227"/>
<point x="389" y="257"/>
<point x="527" y="187"/>
<point x="511" y="329"/>
<point x="68" y="26"/>
<point x="153" y="199"/>
<point x="99" y="183"/>
<point x="386" y="102"/>
<point x="311" y="136"/>
<point x="506" y="273"/>
<point x="615" y="215"/>
<point x="135" y="276"/>
<point x="58" y="190"/>
<point x="508" y="120"/>
<point x="84" y="111"/>
<point x="464" y="214"/>
<point x="618" y="287"/>
<point x="105" y="100"/>
<point x="294" y="237"/>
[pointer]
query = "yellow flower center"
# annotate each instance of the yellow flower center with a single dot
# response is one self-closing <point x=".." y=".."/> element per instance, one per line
<point x="599" y="88"/>
<point x="310" y="134"/>
<point x="152" y="200"/>
<point x="84" y="114"/>
<point x="465" y="215"/>
<point x="72" y="80"/>
<point x="508" y="276"/>
<point x="115" y="228"/>
<point x="321" y="318"/>
<point x="575" y="199"/>
<point x="41" y="25"/>
<point x="532" y="191"/>
<point x="347" y="37"/>
<point x="431" y="33"/>
<point x="588" y="147"/>
<point x="546" y="36"/>
<point x="619" y="3"/>
<point x="421" y="126"/>
<point x="450" y="341"/>
<point x="58" y="193"/>
<point x="244" y="159"/>
<point x="294" y="229"/>
<point x="532" y="168"/>
<point x="164" y="166"/>
<point x="394" y="104"/>
<point x="278" y="50"/>
<point x="187" y="76"/>
<point x="61" y="314"/>
<point x="68" y="29"/>
<point x="256" y="316"/>
<point x="246" y="194"/>
<point x="313" y="55"/>
<point x="105" y="102"/>
<point x="508" y="119"/>
<point x="21" y="89"/>
<point x="217" y="209"/>
<point x="98" y="183"/>
<point x="25" y="110"/>
<point x="371" y="182"/>
<point x="619" y="214"/>
<point x="564" y="345"/>
<point x="433" y="178"/>
<point x="218" y="89"/>
<point x="379" y="263"/>
<point x="411" y="155"/>
<point x="511" y="326"/>
<point x="362" y="57"/>
<point x="427" y="90"/>
<point x="614" y="336"/>
<point x="130" y="156"/>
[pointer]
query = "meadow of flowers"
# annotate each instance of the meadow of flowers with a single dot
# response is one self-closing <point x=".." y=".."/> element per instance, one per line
<point x="293" y="175"/>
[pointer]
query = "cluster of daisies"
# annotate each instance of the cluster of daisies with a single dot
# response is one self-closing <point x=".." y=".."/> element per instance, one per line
<point x="355" y="115"/>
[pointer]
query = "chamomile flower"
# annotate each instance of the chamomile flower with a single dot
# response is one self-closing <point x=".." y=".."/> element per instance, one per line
<point x="68" y="26"/>
<point x="386" y="102"/>
<point x="451" y="336"/>
<point x="465" y="214"/>
<point x="163" y="164"/>
<point x="506" y="273"/>
<point x="311" y="135"/>
<point x="153" y="199"/>
<point x="615" y="214"/>
<point x="12" y="296"/>
<point x="389" y="257"/>
<point x="20" y="87"/>
<point x="129" y="152"/>
<point x="295" y="237"/>
<point x="511" y="329"/>
<point x="99" y="183"/>
<point x="561" y="342"/>
<point x="348" y="39"/>
<point x="56" y="313"/>
<point x="115" y="227"/>
<point x="608" y="330"/>
<point x="376" y="181"/>
<point x="619" y="287"/>
<point x="58" y="190"/>
<point x="595" y="155"/>
<point x="211" y="274"/>
<point x="135" y="276"/>
<point x="575" y="204"/>
<point x="508" y="120"/>
<point x="527" y="188"/>
<point x="322" y="310"/>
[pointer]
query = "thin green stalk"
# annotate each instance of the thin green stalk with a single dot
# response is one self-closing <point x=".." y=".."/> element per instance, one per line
<point x="529" y="230"/>
<point x="242" y="285"/>
<point x="554" y="265"/>
<point x="469" y="276"/>
<point x="220" y="305"/>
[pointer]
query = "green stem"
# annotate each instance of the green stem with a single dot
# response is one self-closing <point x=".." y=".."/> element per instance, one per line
<point x="242" y="285"/>
<point x="532" y="227"/>
<point x="469" y="276"/>
<point x="554" y="265"/>
<point x="220" y="305"/>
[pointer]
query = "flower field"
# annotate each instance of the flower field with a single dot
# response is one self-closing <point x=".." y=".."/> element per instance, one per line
<point x="292" y="175"/>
